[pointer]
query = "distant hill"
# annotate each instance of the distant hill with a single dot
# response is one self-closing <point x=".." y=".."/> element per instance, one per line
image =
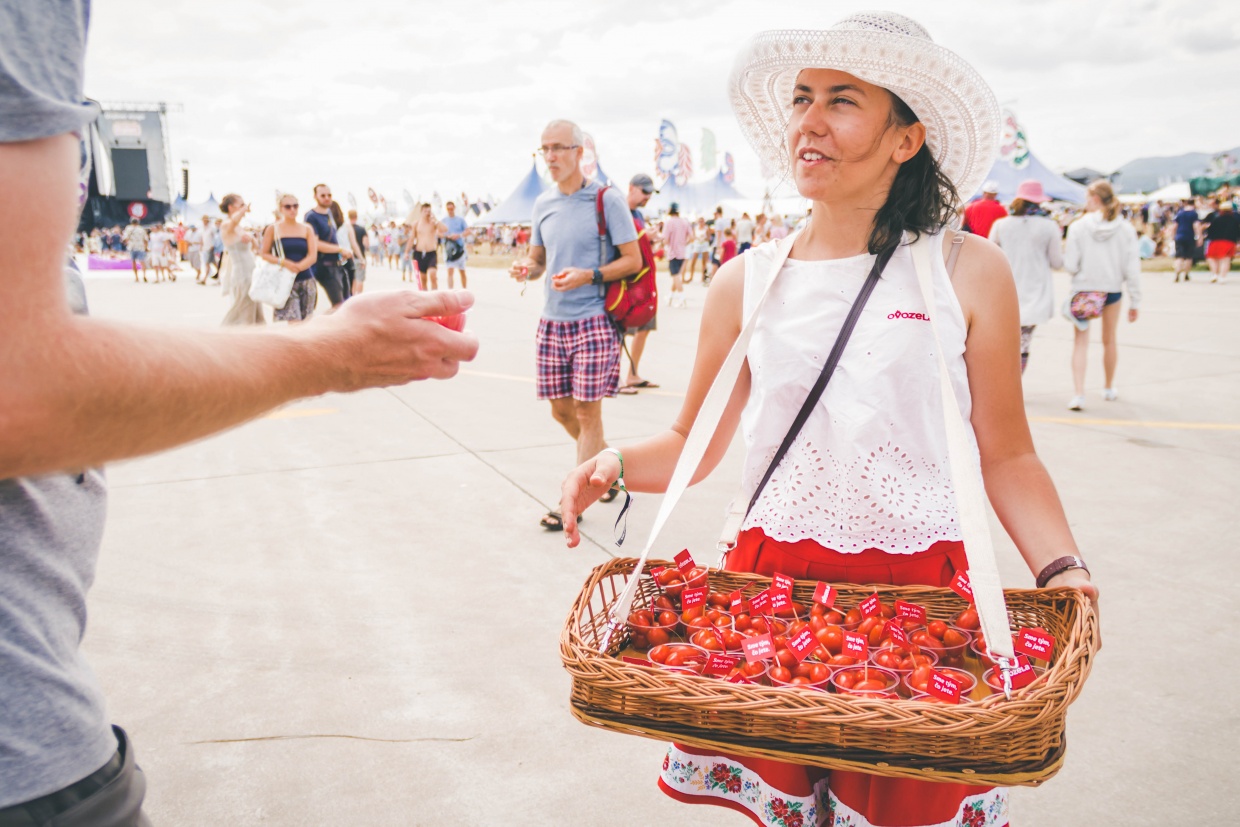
<point x="1146" y="174"/>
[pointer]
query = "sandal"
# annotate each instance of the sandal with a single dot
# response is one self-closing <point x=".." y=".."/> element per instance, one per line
<point x="642" y="384"/>
<point x="554" y="521"/>
<point x="610" y="494"/>
<point x="627" y="390"/>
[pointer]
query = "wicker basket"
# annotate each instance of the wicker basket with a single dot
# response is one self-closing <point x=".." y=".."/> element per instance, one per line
<point x="1017" y="741"/>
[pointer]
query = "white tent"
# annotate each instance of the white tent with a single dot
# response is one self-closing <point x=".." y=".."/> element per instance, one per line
<point x="1172" y="192"/>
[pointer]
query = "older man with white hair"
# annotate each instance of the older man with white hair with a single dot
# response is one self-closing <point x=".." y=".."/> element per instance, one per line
<point x="578" y="346"/>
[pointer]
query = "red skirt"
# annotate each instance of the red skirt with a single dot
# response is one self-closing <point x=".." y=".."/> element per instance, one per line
<point x="1221" y="249"/>
<point x="794" y="795"/>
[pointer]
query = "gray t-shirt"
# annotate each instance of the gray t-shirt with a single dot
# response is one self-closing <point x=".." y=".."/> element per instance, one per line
<point x="53" y="725"/>
<point x="567" y="226"/>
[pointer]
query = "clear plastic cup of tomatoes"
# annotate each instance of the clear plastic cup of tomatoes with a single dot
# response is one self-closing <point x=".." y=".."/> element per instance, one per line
<point x="901" y="660"/>
<point x="953" y="647"/>
<point x="993" y="679"/>
<point x="762" y="625"/>
<point x="866" y="681"/>
<point x="679" y="657"/>
<point x="710" y="639"/>
<point x="919" y="680"/>
<point x="808" y="674"/>
<point x="649" y="628"/>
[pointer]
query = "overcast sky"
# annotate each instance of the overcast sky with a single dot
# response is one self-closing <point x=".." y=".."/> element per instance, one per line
<point x="452" y="96"/>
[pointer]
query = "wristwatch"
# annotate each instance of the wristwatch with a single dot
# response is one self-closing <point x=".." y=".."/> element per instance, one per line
<point x="1058" y="567"/>
<point x="597" y="278"/>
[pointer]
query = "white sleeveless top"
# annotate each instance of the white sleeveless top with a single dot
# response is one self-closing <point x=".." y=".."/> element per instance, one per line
<point x="870" y="467"/>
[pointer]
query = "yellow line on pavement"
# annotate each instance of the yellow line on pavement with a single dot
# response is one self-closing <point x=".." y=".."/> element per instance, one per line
<point x="298" y="413"/>
<point x="1137" y="423"/>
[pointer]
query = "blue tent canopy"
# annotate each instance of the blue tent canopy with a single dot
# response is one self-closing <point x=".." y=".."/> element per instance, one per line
<point x="193" y="213"/>
<point x="518" y="207"/>
<point x="697" y="198"/>
<point x="1057" y="186"/>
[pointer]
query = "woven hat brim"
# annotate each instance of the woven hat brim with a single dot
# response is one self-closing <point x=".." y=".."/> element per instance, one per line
<point x="956" y="105"/>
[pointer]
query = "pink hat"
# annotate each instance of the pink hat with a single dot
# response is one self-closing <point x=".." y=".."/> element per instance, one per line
<point x="1031" y="190"/>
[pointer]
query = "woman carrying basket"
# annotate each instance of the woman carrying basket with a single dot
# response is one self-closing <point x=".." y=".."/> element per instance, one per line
<point x="881" y="129"/>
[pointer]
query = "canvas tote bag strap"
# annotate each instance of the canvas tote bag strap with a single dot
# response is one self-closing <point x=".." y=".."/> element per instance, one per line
<point x="970" y="498"/>
<point x="702" y="431"/>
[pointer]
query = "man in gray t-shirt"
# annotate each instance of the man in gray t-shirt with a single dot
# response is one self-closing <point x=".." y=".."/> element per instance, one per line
<point x="578" y="348"/>
<point x="91" y="399"/>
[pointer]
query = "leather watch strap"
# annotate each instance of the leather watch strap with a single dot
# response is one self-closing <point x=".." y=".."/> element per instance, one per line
<point x="1058" y="567"/>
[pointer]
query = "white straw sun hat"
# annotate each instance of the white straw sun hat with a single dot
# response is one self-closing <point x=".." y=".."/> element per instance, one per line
<point x="958" y="109"/>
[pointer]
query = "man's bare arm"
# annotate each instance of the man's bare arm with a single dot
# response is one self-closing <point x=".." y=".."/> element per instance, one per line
<point x="77" y="392"/>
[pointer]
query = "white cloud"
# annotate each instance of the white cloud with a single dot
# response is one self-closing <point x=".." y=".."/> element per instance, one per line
<point x="450" y="97"/>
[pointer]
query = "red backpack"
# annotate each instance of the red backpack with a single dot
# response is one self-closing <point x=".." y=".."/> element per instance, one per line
<point x="633" y="300"/>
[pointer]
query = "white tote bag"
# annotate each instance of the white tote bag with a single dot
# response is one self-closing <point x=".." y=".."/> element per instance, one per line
<point x="272" y="283"/>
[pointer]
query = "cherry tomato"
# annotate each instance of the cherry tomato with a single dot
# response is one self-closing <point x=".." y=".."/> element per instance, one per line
<point x="842" y="660"/>
<point x="784" y="657"/>
<point x="752" y="670"/>
<point x="733" y="641"/>
<point x="692" y="613"/>
<point x="741" y="622"/>
<point x="852" y="619"/>
<point x="696" y="578"/>
<point x="667" y="618"/>
<point x="869" y="624"/>
<point x="968" y="620"/>
<point x="659" y="654"/>
<point x="818" y="610"/>
<point x="952" y="638"/>
<point x="886" y="612"/>
<point x="698" y="623"/>
<point x="664" y="603"/>
<point x="936" y="628"/>
<point x="832" y="639"/>
<point x="675" y="658"/>
<point x="876" y="635"/>
<point x="780" y="674"/>
<point x="869" y="686"/>
<point x="708" y="640"/>
<point x="657" y="636"/>
<point x="817" y="623"/>
<point x="845" y="680"/>
<point x="719" y="599"/>
<point x="642" y="617"/>
<point x="759" y="625"/>
<point x="818" y="672"/>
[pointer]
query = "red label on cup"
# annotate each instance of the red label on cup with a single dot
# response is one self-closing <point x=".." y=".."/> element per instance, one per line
<point x="870" y="606"/>
<point x="684" y="561"/>
<point x="739" y="678"/>
<point x="911" y="610"/>
<point x="720" y="665"/>
<point x="781" y="583"/>
<point x="855" y="646"/>
<point x="760" y="603"/>
<point x="780" y="601"/>
<point x="825" y="594"/>
<point x="961" y="586"/>
<point x="758" y="648"/>
<point x="896" y="632"/>
<point x="735" y="601"/>
<point x="1022" y="675"/>
<point x="636" y="661"/>
<point x="944" y="687"/>
<point x="802" y="643"/>
<point x="1036" y="643"/>
<point x="692" y="597"/>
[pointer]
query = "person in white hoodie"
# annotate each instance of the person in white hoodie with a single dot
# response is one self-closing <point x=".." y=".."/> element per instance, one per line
<point x="1101" y="254"/>
<point x="1032" y="244"/>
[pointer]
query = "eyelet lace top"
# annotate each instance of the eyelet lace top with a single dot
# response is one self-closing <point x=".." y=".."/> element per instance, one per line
<point x="870" y="468"/>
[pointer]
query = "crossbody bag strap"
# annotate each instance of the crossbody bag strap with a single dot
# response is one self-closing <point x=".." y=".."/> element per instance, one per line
<point x="700" y="435"/>
<point x="966" y="479"/>
<point x="736" y="514"/>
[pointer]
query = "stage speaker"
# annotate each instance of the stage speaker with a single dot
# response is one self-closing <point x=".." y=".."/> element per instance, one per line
<point x="133" y="178"/>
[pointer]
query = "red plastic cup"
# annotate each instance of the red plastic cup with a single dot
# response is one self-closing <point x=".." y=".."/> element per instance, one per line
<point x="455" y="321"/>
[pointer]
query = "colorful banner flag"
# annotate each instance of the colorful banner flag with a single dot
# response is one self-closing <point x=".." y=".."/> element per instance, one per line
<point x="589" y="157"/>
<point x="708" y="150"/>
<point x="729" y="171"/>
<point x="666" y="155"/>
<point x="684" y="165"/>
<point x="1013" y="146"/>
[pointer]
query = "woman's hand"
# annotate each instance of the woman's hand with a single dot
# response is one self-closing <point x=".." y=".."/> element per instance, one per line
<point x="290" y="265"/>
<point x="582" y="487"/>
<point x="1079" y="579"/>
<point x="1132" y="314"/>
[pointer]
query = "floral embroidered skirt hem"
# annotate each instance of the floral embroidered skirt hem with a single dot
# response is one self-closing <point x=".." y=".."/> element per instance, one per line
<point x="778" y="794"/>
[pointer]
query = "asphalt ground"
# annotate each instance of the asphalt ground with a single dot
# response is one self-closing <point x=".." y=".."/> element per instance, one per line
<point x="346" y="613"/>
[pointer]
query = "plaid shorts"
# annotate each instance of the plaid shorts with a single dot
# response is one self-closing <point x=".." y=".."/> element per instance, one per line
<point x="580" y="359"/>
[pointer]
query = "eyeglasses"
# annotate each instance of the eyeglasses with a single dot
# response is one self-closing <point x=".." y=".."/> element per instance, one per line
<point x="556" y="149"/>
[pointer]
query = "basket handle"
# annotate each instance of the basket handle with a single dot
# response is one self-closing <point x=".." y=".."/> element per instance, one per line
<point x="966" y="478"/>
<point x="700" y="433"/>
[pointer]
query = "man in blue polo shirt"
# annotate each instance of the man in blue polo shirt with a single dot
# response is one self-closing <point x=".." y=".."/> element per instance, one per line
<point x="578" y="346"/>
<point x="454" y="241"/>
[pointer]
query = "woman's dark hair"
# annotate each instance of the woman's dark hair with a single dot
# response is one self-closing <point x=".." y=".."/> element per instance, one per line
<point x="922" y="199"/>
<point x="337" y="213"/>
<point x="1021" y="207"/>
<point x="227" y="201"/>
